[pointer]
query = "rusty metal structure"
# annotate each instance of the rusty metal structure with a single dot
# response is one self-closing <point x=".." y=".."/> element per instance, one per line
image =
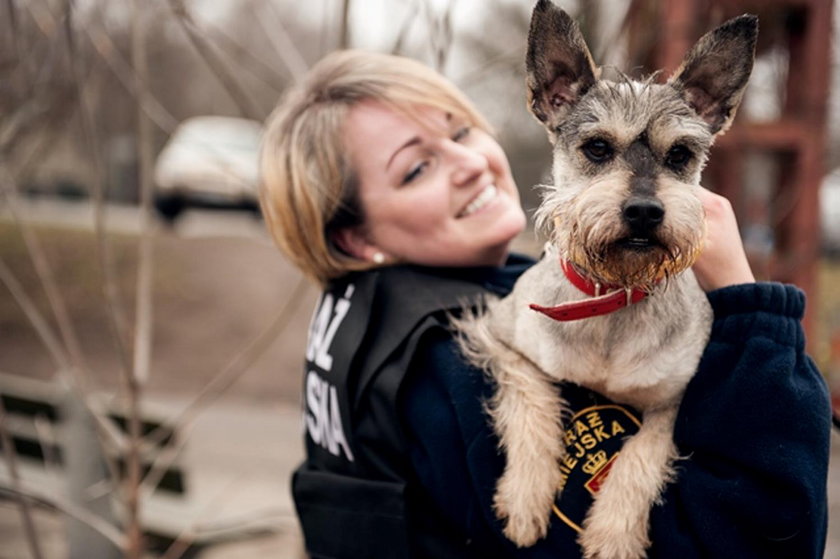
<point x="795" y="137"/>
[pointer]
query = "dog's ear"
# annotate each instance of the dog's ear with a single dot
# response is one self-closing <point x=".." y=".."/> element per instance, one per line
<point x="714" y="74"/>
<point x="559" y="67"/>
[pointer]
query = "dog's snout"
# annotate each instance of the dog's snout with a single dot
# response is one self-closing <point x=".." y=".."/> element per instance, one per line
<point x="643" y="215"/>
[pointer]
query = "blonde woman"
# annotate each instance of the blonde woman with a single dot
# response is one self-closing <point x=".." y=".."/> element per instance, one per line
<point x="383" y="184"/>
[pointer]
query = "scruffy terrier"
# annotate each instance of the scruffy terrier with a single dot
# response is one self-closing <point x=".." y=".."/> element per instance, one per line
<point x="614" y="305"/>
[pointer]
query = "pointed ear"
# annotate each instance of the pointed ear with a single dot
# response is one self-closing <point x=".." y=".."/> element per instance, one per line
<point x="559" y="67"/>
<point x="714" y="74"/>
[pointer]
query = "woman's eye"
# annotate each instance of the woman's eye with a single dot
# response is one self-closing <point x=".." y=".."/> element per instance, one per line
<point x="678" y="156"/>
<point x="415" y="172"/>
<point x="461" y="133"/>
<point x="597" y="150"/>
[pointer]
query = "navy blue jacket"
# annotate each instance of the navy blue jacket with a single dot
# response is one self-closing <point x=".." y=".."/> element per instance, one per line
<point x="754" y="427"/>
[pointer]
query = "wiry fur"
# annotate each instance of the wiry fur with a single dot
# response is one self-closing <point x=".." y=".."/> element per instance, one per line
<point x="645" y="354"/>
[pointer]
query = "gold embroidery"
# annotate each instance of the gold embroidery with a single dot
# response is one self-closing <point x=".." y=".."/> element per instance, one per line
<point x="585" y="432"/>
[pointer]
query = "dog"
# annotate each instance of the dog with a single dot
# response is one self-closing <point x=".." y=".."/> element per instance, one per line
<point x="613" y="304"/>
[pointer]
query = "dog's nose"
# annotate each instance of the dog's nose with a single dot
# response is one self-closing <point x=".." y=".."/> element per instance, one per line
<point x="643" y="215"/>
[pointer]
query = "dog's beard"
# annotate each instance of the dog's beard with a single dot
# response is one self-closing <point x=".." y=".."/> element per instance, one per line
<point x="611" y="262"/>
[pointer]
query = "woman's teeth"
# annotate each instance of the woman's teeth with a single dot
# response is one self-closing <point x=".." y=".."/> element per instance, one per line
<point x="480" y="201"/>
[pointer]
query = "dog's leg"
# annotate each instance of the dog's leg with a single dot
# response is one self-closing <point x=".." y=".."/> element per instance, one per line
<point x="526" y="411"/>
<point x="616" y="526"/>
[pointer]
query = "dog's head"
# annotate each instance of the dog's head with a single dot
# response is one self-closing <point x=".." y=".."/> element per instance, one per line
<point x="628" y="154"/>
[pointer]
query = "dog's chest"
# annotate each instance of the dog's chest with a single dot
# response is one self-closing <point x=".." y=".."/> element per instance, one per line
<point x="645" y="352"/>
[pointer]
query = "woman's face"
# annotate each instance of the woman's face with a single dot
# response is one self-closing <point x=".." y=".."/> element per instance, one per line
<point x="434" y="190"/>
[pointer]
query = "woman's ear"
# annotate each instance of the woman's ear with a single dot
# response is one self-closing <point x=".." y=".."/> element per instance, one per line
<point x="354" y="242"/>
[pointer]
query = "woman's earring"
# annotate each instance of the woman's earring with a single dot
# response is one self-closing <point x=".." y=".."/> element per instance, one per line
<point x="378" y="258"/>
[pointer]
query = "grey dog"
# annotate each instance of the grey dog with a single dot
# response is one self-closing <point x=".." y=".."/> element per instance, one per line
<point x="626" y="316"/>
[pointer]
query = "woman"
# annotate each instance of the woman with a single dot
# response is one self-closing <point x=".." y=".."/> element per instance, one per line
<point x="384" y="184"/>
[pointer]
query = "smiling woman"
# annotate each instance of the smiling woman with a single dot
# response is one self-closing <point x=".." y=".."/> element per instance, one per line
<point x="381" y="182"/>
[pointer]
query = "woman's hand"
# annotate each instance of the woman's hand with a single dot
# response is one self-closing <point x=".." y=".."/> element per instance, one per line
<point x="723" y="261"/>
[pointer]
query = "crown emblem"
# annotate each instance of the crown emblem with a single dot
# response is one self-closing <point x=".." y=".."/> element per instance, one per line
<point x="594" y="462"/>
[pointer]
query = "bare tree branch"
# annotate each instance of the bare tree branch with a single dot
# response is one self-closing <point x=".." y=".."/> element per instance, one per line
<point x="47" y="280"/>
<point x="145" y="158"/>
<point x="35" y="496"/>
<point x="234" y="369"/>
<point x="223" y="74"/>
<point x="105" y="47"/>
<point x="344" y="29"/>
<point x="42" y="327"/>
<point x="143" y="310"/>
<point x="283" y="44"/>
<point x="405" y="28"/>
<point x="115" y="314"/>
<point x="258" y="68"/>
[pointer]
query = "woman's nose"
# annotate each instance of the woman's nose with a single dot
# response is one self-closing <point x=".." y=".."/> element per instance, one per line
<point x="467" y="164"/>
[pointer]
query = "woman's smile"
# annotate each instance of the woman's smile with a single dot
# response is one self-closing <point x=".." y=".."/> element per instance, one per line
<point x="481" y="200"/>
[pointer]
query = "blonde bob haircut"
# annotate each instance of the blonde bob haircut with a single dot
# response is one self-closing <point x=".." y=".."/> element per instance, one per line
<point x="308" y="188"/>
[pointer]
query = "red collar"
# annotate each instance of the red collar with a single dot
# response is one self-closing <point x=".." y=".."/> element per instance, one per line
<point x="614" y="298"/>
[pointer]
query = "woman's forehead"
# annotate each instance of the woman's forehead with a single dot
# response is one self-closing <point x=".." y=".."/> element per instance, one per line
<point x="374" y="130"/>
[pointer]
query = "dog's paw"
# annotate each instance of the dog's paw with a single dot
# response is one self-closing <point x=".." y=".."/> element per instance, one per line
<point x="525" y="508"/>
<point x="609" y="534"/>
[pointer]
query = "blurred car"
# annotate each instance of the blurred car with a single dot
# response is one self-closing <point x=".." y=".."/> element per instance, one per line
<point x="209" y="162"/>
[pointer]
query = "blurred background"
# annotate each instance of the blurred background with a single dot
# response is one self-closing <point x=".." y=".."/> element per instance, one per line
<point x="151" y="337"/>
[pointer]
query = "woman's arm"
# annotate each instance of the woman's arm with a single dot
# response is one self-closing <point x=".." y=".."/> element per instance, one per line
<point x="754" y="427"/>
<point x="754" y="423"/>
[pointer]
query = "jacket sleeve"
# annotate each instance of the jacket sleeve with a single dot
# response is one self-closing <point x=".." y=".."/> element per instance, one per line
<point x="754" y="427"/>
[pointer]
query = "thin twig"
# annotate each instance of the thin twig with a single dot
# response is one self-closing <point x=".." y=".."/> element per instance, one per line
<point x="41" y="326"/>
<point x="105" y="48"/>
<point x="282" y="42"/>
<point x="10" y="454"/>
<point x="445" y="46"/>
<point x="217" y="66"/>
<point x="227" y="376"/>
<point x="184" y="540"/>
<point x="115" y="314"/>
<point x="406" y="26"/>
<point x="111" y="532"/>
<point x="344" y="30"/>
<point x="260" y="69"/>
<point x="142" y="341"/>
<point x="145" y="253"/>
<point x="109" y="434"/>
<point x="512" y="55"/>
<point x="47" y="279"/>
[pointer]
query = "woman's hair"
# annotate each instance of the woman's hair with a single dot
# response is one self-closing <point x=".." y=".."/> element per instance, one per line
<point x="309" y="189"/>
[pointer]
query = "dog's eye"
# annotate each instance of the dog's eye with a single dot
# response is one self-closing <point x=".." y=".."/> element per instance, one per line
<point x="597" y="151"/>
<point x="678" y="156"/>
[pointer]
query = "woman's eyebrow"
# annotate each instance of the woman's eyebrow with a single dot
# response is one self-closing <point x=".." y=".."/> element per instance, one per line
<point x="411" y="142"/>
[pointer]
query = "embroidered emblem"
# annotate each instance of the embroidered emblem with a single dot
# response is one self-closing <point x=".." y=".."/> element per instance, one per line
<point x="594" y="436"/>
<point x="599" y="471"/>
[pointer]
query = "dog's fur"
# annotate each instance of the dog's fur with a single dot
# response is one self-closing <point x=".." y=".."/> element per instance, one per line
<point x="645" y="354"/>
